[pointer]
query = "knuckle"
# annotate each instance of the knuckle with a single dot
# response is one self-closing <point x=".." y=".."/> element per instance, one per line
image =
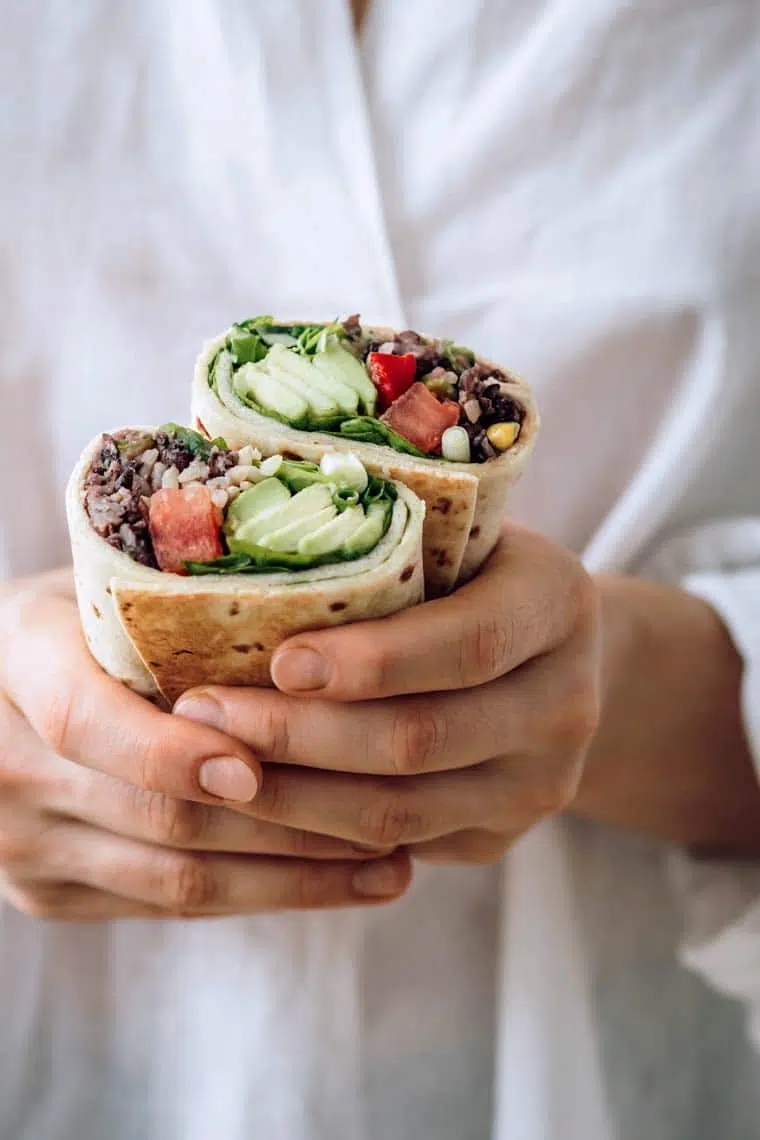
<point x="271" y="732"/>
<point x="418" y="737"/>
<point x="273" y="799"/>
<point x="11" y="775"/>
<point x="486" y="649"/>
<point x="187" y="884"/>
<point x="17" y="853"/>
<point x="313" y="885"/>
<point x="577" y="718"/>
<point x="390" y="821"/>
<point x="372" y="665"/>
<point x="583" y="598"/>
<point x="299" y="843"/>
<point x="56" y="719"/>
<point x="174" y="823"/>
<point x="555" y="792"/>
<point x="149" y="762"/>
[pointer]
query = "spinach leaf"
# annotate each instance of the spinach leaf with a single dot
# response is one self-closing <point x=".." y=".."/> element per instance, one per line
<point x="366" y="430"/>
<point x="260" y="560"/>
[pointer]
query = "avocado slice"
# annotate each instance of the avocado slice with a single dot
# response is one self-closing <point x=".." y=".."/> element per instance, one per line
<point x="332" y="536"/>
<point x="260" y="499"/>
<point x="319" y="402"/>
<point x="286" y="539"/>
<point x="342" y="396"/>
<point x="371" y="531"/>
<point x="252" y="380"/>
<point x="302" y="506"/>
<point x="339" y="364"/>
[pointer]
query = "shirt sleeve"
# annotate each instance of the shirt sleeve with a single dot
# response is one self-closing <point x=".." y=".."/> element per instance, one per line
<point x="721" y="900"/>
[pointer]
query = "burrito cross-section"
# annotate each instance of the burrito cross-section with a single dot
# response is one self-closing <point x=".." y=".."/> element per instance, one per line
<point x="452" y="426"/>
<point x="193" y="560"/>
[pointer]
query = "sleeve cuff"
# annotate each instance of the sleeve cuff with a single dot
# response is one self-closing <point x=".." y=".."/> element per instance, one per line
<point x="720" y="900"/>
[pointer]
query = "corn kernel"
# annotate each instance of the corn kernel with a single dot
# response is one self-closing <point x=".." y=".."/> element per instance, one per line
<point x="502" y="436"/>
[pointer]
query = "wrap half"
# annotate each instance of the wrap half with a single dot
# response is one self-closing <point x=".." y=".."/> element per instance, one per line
<point x="218" y="609"/>
<point x="465" y="491"/>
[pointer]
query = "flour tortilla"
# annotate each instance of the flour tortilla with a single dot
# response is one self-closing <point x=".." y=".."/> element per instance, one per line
<point x="466" y="502"/>
<point x="161" y="634"/>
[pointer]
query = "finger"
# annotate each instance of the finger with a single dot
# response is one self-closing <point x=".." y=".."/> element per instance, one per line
<point x="183" y="882"/>
<point x="29" y="772"/>
<point x="93" y="720"/>
<point x="402" y="736"/>
<point x="136" y="814"/>
<point x="71" y="902"/>
<point x="523" y="603"/>
<point x="388" y="812"/>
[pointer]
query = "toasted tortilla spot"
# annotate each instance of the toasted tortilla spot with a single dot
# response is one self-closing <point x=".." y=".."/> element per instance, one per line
<point x="242" y="648"/>
<point x="234" y="609"/>
<point x="108" y="591"/>
<point x="96" y="611"/>
<point x="258" y="647"/>
<point x="475" y="532"/>
<point x="337" y="606"/>
<point x="180" y="652"/>
<point x="406" y="574"/>
<point x="291" y="455"/>
<point x="442" y="504"/>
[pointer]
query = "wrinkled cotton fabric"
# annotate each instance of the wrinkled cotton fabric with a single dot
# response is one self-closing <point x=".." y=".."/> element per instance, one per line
<point x="574" y="189"/>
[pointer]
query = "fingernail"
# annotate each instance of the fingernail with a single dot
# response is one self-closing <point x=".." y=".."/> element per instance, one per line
<point x="203" y="709"/>
<point x="378" y="879"/>
<point x="297" y="670"/>
<point x="228" y="778"/>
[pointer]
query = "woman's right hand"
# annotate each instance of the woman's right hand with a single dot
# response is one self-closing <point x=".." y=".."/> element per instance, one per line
<point x="106" y="804"/>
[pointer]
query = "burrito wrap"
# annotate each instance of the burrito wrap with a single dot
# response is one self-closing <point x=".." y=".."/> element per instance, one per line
<point x="161" y="633"/>
<point x="466" y="502"/>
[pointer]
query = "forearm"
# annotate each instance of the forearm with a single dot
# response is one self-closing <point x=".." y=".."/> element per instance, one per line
<point x="670" y="757"/>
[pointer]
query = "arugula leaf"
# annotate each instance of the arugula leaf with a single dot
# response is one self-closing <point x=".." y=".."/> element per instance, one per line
<point x="458" y="356"/>
<point x="364" y="429"/>
<point x="197" y="443"/>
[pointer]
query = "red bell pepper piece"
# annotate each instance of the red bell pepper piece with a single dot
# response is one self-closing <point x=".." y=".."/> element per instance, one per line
<point x="391" y="375"/>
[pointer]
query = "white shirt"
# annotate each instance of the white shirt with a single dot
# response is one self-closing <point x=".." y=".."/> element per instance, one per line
<point x="571" y="187"/>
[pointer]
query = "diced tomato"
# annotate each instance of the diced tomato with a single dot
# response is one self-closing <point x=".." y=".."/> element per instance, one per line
<point x="420" y="418"/>
<point x="391" y="375"/>
<point x="184" y="527"/>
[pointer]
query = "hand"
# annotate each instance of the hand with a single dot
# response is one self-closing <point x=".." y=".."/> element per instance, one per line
<point x="449" y="729"/>
<point x="107" y="805"/>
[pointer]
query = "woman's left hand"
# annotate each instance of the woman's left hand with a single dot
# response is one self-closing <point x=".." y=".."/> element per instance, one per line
<point x="449" y="729"/>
